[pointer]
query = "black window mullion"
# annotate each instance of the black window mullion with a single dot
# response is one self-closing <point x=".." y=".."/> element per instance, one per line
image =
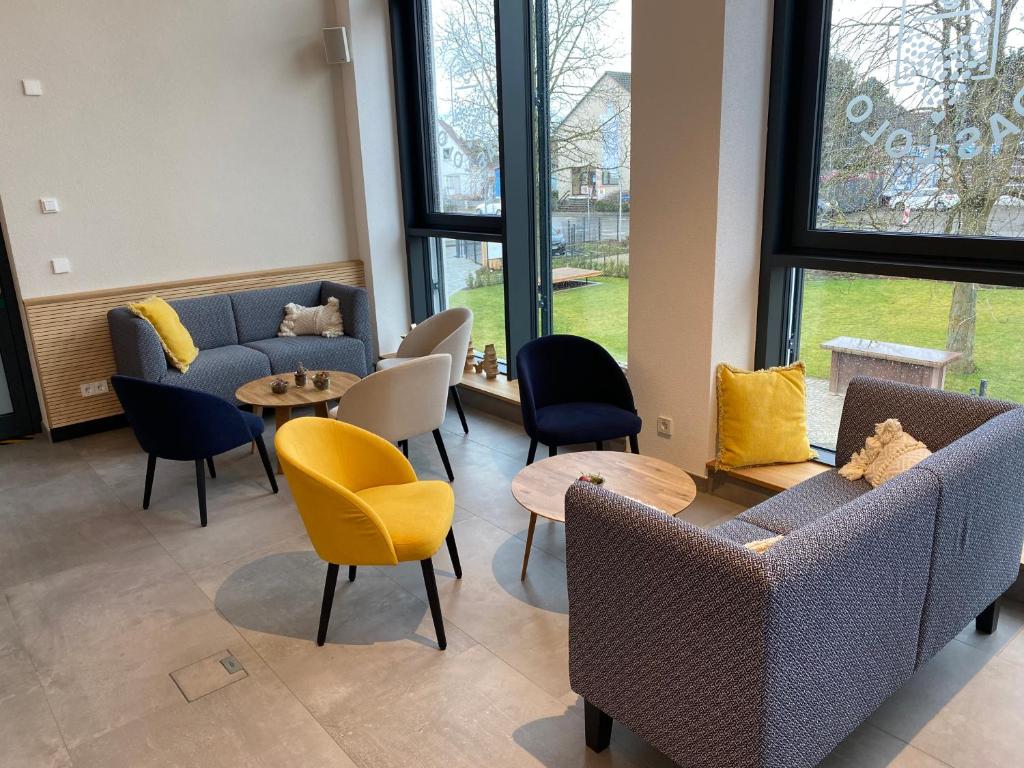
<point x="515" y="120"/>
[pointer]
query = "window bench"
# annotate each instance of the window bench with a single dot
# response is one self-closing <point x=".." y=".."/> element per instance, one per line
<point x="774" y="478"/>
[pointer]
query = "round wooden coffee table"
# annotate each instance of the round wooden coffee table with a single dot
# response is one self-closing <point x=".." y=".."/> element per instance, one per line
<point x="540" y="488"/>
<point x="257" y="394"/>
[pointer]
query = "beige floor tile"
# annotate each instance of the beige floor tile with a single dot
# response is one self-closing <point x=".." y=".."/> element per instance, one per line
<point x="105" y="637"/>
<point x="253" y="722"/>
<point x="868" y="747"/>
<point x="1011" y="622"/>
<point x="29" y="737"/>
<point x="1013" y="650"/>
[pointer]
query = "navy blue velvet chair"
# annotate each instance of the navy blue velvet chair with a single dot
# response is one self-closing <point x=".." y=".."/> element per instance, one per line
<point x="572" y="391"/>
<point x="187" y="425"/>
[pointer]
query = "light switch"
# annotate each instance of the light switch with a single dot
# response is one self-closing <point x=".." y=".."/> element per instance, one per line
<point x="60" y="265"/>
<point x="32" y="87"/>
<point x="49" y="204"/>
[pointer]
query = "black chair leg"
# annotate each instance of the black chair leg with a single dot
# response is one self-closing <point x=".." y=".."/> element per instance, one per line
<point x="552" y="450"/>
<point x="634" y="444"/>
<point x="597" y="727"/>
<point x="201" y="489"/>
<point x="404" y="445"/>
<point x="532" y="454"/>
<point x="262" y="447"/>
<point x="150" y="470"/>
<point x="209" y="466"/>
<point x="600" y="445"/>
<point x="444" y="454"/>
<point x="351" y="573"/>
<point x="325" y="608"/>
<point x="988" y="620"/>
<point x="453" y="552"/>
<point x="458" y="407"/>
<point x="435" y="604"/>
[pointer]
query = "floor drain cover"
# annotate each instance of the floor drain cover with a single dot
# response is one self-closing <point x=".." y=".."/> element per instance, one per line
<point x="208" y="675"/>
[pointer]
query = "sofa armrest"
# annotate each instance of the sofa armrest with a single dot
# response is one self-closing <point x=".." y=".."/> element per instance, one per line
<point x="355" y="314"/>
<point x="667" y="627"/>
<point x="719" y="656"/>
<point x="137" y="348"/>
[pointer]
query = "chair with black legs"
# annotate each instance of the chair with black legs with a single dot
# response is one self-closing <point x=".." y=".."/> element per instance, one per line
<point x="182" y="424"/>
<point x="362" y="504"/>
<point x="572" y="392"/>
<point x="446" y="332"/>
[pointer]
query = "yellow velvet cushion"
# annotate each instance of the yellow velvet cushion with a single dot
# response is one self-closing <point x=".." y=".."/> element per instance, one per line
<point x="762" y="417"/>
<point x="175" y="338"/>
<point x="885" y="454"/>
<point x="417" y="515"/>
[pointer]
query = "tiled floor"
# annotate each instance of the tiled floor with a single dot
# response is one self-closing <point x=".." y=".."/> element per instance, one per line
<point x="100" y="602"/>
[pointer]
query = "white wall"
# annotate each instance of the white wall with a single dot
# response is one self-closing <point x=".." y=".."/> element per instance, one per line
<point x="700" y="79"/>
<point x="184" y="139"/>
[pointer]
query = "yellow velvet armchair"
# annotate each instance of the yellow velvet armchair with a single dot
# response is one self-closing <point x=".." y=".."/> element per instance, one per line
<point x="362" y="504"/>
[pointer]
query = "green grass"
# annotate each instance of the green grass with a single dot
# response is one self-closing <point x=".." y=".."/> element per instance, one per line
<point x="596" y="311"/>
<point x="916" y="312"/>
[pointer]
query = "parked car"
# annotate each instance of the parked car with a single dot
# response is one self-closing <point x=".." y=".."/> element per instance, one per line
<point x="925" y="199"/>
<point x="557" y="240"/>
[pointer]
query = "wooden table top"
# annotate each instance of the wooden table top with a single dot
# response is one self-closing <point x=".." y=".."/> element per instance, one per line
<point x="540" y="488"/>
<point x="258" y="392"/>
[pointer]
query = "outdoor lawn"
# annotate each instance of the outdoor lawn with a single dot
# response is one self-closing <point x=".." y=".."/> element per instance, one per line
<point x="916" y="312"/>
<point x="596" y="311"/>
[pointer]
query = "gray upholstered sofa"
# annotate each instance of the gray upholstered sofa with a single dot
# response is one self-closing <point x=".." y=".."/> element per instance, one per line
<point x="722" y="657"/>
<point x="236" y="334"/>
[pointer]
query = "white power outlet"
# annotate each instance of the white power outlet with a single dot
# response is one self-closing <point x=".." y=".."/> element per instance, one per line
<point x="665" y="426"/>
<point x="93" y="388"/>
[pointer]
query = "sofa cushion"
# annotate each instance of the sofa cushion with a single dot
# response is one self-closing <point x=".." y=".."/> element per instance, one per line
<point x="258" y="314"/>
<point x="570" y="423"/>
<point x="209" y="319"/>
<point x="221" y="371"/>
<point x="803" y="504"/>
<point x="741" y="531"/>
<point x="315" y="352"/>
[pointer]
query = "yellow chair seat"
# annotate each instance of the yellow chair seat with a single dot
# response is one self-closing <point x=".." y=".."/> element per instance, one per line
<point x="417" y="515"/>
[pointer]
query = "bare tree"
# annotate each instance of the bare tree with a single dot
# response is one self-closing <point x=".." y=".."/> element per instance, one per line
<point x="953" y="66"/>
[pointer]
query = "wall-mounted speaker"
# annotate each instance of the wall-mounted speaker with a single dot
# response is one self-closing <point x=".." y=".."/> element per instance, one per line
<point x="336" y="45"/>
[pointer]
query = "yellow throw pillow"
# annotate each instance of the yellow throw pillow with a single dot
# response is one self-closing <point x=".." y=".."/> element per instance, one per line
<point x="174" y="336"/>
<point x="886" y="454"/>
<point x="762" y="417"/>
<point x="762" y="545"/>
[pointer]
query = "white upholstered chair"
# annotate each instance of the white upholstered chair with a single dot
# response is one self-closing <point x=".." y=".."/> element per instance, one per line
<point x="401" y="402"/>
<point x="446" y="332"/>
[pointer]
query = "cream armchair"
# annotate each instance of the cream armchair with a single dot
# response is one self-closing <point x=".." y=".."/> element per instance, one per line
<point x="401" y="402"/>
<point x="446" y="332"/>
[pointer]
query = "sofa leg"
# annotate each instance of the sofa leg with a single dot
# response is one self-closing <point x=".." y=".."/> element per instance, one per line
<point x="988" y="620"/>
<point x="150" y="470"/>
<point x="598" y="727"/>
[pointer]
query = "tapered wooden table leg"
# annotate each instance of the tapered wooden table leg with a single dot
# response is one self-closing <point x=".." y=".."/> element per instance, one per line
<point x="282" y="413"/>
<point x="321" y="409"/>
<point x="529" y="544"/>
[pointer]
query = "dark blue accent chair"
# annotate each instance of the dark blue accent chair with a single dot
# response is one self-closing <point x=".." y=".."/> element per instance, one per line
<point x="572" y="391"/>
<point x="187" y="425"/>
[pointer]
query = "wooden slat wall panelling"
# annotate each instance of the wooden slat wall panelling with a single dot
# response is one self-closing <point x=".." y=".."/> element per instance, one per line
<point x="71" y="343"/>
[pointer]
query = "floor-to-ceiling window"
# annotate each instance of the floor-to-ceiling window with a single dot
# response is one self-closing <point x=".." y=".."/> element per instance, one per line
<point x="895" y="197"/>
<point x="494" y="96"/>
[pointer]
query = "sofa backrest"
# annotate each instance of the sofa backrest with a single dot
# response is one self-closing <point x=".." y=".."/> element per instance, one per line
<point x="258" y="314"/>
<point x="209" y="320"/>
<point x="935" y="417"/>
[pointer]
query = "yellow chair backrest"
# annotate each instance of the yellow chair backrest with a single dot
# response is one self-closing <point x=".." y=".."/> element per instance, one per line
<point x="327" y="462"/>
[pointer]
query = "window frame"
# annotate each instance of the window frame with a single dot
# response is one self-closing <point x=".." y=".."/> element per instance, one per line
<point x="801" y="35"/>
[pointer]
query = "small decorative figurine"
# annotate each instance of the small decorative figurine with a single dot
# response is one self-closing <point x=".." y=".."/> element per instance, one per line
<point x="470" y="359"/>
<point x="592" y="478"/>
<point x="322" y="380"/>
<point x="490" y="362"/>
<point x="279" y="386"/>
<point x="300" y="376"/>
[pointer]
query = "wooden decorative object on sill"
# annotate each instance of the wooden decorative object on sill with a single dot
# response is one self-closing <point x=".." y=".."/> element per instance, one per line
<point x="490" y="362"/>
<point x="470" y="359"/>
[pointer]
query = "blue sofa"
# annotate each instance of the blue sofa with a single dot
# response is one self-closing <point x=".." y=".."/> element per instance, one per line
<point x="722" y="657"/>
<point x="236" y="334"/>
